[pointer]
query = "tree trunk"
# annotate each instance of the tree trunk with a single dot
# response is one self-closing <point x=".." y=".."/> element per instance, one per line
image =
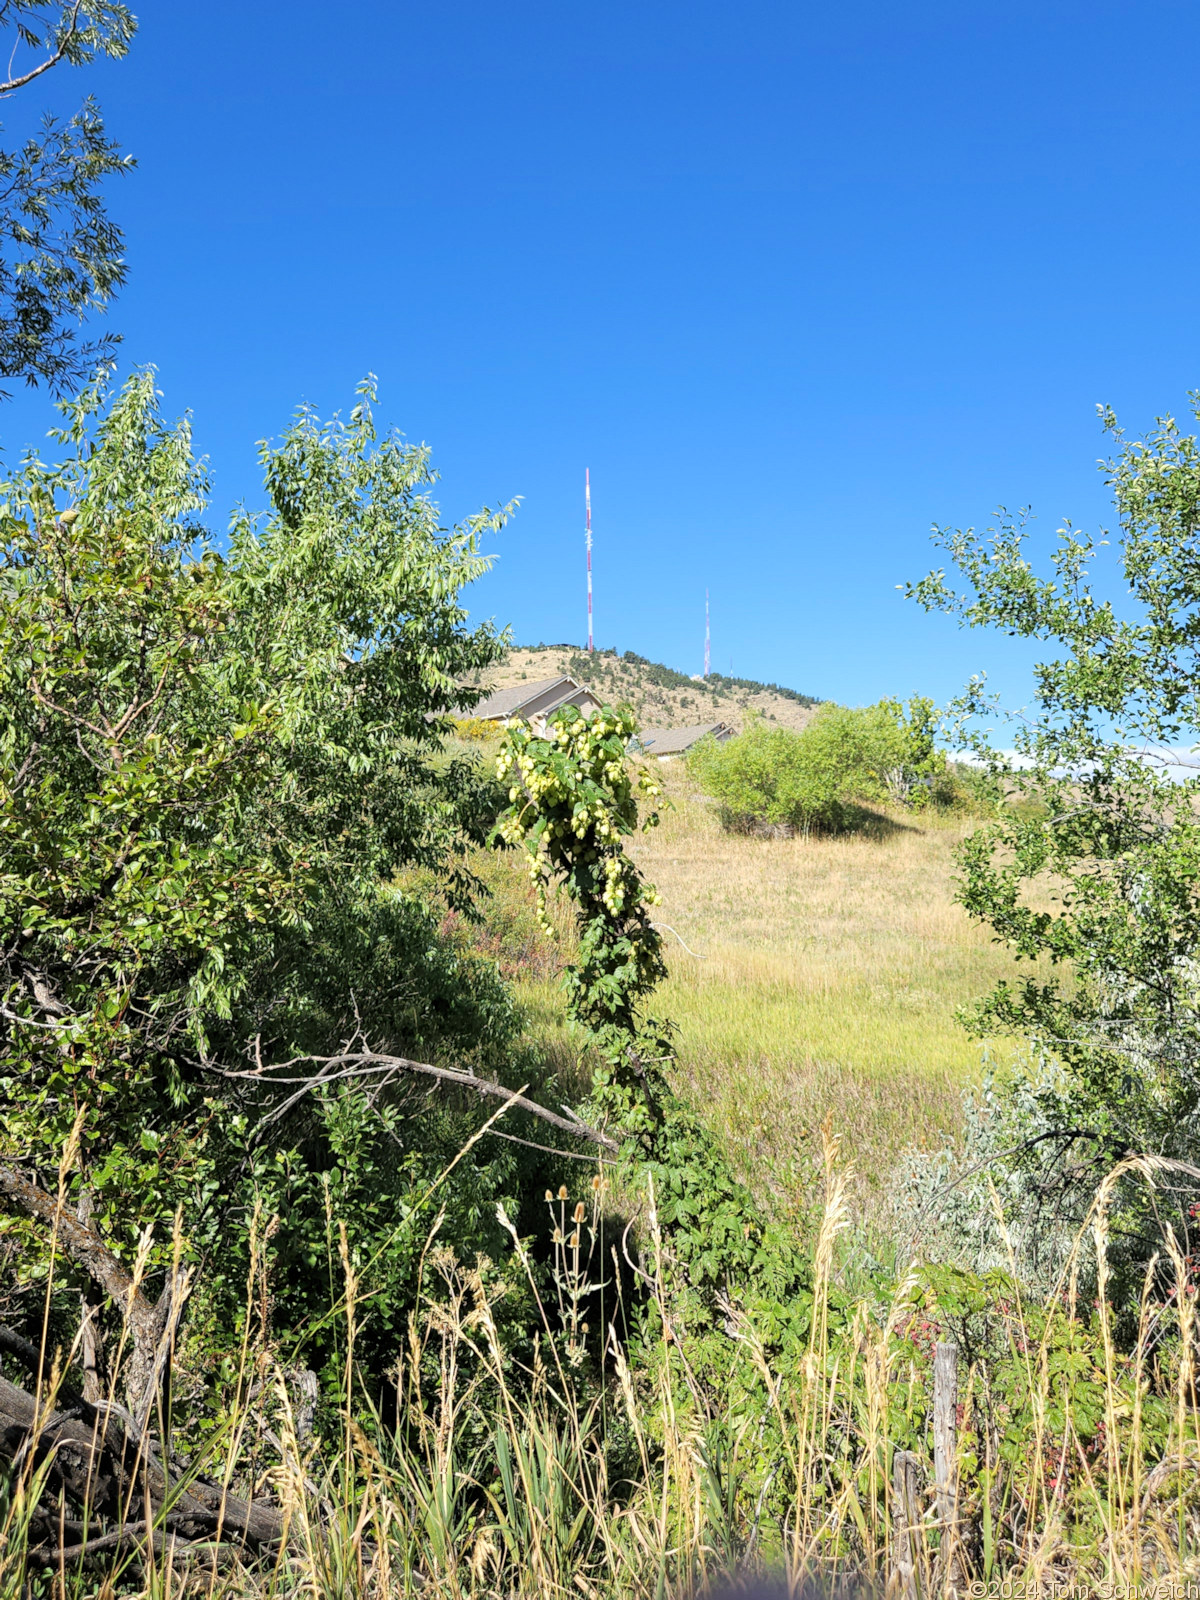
<point x="91" y="1350"/>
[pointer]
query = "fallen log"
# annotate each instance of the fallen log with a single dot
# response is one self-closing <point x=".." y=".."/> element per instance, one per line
<point x="92" y="1464"/>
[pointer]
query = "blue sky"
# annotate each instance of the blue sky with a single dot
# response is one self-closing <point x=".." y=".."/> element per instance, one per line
<point x="793" y="281"/>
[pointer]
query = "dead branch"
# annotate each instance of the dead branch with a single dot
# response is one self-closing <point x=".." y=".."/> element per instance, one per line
<point x="161" y="1540"/>
<point x="24" y="1349"/>
<point x="351" y="1064"/>
<point x="167" y="1313"/>
<point x="85" y="1247"/>
<point x="151" y="1326"/>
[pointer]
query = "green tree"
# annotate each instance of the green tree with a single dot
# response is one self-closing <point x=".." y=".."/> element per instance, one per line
<point x="1091" y="874"/>
<point x="212" y="768"/>
<point x="60" y="252"/>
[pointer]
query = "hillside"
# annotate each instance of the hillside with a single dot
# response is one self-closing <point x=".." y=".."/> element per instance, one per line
<point x="660" y="696"/>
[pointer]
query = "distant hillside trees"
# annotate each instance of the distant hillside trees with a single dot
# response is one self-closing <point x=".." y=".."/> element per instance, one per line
<point x="727" y="685"/>
<point x="602" y="666"/>
<point x="821" y="777"/>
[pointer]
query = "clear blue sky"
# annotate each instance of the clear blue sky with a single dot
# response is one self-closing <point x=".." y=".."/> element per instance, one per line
<point x="792" y="280"/>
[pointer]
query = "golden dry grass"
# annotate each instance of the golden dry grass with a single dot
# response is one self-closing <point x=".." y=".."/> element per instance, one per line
<point x="825" y="981"/>
<point x="535" y="1482"/>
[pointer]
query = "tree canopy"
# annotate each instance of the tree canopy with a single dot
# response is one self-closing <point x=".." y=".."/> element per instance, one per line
<point x="213" y="765"/>
<point x="61" y="255"/>
<point x="1091" y="874"/>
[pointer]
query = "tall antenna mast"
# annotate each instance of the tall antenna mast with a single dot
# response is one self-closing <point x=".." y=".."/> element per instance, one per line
<point x="707" y="634"/>
<point x="587" y="500"/>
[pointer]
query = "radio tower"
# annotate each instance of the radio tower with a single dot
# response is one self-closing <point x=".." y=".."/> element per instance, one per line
<point x="707" y="634"/>
<point x="587" y="500"/>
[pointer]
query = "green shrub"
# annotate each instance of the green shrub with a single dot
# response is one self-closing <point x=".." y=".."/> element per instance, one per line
<point x="820" y="777"/>
<point x="968" y="789"/>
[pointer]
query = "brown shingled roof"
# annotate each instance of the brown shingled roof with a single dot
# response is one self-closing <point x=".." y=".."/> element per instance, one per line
<point x="674" y="741"/>
<point x="508" y="702"/>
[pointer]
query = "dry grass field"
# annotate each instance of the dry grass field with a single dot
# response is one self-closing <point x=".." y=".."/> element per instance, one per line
<point x="823" y="982"/>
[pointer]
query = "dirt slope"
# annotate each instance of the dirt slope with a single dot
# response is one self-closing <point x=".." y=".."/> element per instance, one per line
<point x="661" y="697"/>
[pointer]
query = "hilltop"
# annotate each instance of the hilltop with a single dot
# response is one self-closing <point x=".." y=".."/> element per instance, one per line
<point x="659" y="695"/>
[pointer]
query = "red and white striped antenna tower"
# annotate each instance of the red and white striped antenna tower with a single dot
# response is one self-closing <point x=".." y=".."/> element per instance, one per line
<point x="587" y="500"/>
<point x="707" y="634"/>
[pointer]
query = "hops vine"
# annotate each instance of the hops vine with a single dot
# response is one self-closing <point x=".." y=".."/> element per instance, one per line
<point x="574" y="800"/>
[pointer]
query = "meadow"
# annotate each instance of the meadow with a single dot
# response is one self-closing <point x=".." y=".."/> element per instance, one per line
<point x="290" y="1311"/>
<point x="813" y="980"/>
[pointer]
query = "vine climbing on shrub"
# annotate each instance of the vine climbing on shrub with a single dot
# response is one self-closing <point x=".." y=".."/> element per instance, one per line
<point x="573" y="803"/>
<point x="573" y="796"/>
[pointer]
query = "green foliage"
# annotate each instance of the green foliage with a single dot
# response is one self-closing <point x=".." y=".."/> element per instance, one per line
<point x="1053" y="1391"/>
<point x="1094" y="875"/>
<point x="60" y="253"/>
<point x="573" y="804"/>
<point x="819" y="777"/>
<point x="211" y="768"/>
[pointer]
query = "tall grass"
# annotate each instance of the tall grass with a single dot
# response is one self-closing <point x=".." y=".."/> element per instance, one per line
<point x="808" y="978"/>
<point x="580" y="1472"/>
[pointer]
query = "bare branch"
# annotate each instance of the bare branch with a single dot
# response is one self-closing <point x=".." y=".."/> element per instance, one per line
<point x="351" y="1064"/>
<point x="12" y="1343"/>
<point x="31" y="1022"/>
<point x="546" y="1149"/>
<point x="88" y="1250"/>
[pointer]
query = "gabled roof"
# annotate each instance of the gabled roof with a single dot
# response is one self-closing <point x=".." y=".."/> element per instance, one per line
<point x="674" y="741"/>
<point x="509" y="702"/>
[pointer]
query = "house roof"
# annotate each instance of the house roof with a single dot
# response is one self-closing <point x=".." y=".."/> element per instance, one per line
<point x="674" y="741"/>
<point x="509" y="702"/>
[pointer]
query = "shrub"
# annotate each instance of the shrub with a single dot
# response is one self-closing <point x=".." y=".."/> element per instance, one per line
<point x="475" y="730"/>
<point x="966" y="788"/>
<point x="819" y="777"/>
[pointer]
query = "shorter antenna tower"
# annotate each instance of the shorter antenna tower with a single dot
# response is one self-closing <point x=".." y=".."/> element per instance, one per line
<point x="587" y="500"/>
<point x="707" y="634"/>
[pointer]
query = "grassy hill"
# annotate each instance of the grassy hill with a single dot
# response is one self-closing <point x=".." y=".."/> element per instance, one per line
<point x="661" y="696"/>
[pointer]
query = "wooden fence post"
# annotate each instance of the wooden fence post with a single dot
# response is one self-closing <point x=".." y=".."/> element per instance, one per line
<point x="906" y="1522"/>
<point x="945" y="1462"/>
